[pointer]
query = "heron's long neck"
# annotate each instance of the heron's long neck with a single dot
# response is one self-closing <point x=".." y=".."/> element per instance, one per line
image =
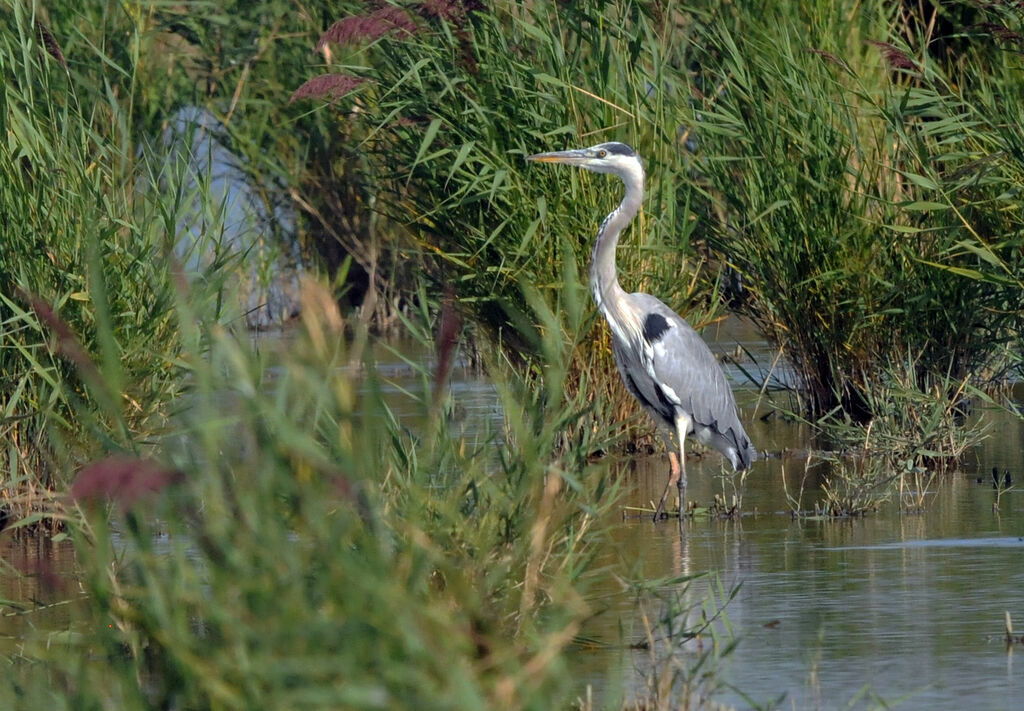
<point x="604" y="281"/>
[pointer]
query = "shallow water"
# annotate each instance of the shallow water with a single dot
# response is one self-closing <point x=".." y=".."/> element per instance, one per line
<point x="905" y="606"/>
<point x="38" y="588"/>
<point x="828" y="612"/>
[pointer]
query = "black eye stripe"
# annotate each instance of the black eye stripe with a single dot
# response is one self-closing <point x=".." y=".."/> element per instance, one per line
<point x="614" y="148"/>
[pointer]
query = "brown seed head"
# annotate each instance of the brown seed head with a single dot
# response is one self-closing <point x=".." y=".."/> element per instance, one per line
<point x="367" y="28"/>
<point x="122" y="479"/>
<point x="326" y="85"/>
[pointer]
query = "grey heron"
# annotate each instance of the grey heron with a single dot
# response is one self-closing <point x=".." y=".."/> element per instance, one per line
<point x="663" y="362"/>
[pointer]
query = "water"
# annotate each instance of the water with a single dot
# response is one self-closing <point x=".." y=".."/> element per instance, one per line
<point x="890" y="606"/>
<point x="906" y="606"/>
<point x="38" y="589"/>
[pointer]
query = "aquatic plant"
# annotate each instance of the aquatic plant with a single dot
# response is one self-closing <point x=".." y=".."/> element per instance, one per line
<point x="451" y="102"/>
<point x="823" y="182"/>
<point x="86" y="271"/>
<point x="288" y="543"/>
<point x="674" y="628"/>
<point x="846" y="170"/>
<point x="78" y="277"/>
<point x="250" y="540"/>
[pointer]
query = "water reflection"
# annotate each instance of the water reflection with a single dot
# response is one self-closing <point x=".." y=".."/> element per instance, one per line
<point x="901" y="604"/>
<point x="905" y="605"/>
<point x="38" y="588"/>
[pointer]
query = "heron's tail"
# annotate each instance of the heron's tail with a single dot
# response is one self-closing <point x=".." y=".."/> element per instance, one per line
<point x="743" y="453"/>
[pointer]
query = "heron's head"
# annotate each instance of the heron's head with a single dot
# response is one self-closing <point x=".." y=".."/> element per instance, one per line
<point x="617" y="158"/>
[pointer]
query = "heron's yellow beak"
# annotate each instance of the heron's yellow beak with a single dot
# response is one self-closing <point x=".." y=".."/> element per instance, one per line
<point x="567" y="157"/>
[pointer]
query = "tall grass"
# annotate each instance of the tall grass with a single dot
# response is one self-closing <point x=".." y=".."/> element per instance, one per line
<point x="859" y="197"/>
<point x="289" y="544"/>
<point x="256" y="529"/>
<point x="73" y="261"/>
<point x="866" y="193"/>
<point x="453" y="98"/>
<point x="90" y="219"/>
<point x="826" y="165"/>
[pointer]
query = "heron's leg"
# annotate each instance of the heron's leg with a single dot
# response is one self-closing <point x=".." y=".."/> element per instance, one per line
<point x="673" y="476"/>
<point x="682" y="427"/>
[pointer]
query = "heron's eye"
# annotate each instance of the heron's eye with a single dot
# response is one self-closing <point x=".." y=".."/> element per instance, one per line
<point x="602" y="153"/>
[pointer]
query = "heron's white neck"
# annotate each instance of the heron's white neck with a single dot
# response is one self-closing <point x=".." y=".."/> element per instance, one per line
<point x="604" y="281"/>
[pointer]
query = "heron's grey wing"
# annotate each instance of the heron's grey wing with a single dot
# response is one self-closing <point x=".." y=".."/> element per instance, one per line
<point x="637" y="379"/>
<point x="686" y="370"/>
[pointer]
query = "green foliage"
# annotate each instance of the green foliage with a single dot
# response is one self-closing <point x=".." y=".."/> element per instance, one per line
<point x="452" y="103"/>
<point x="84" y="270"/>
<point x="858" y="191"/>
<point x="297" y="547"/>
<point x="282" y="540"/>
<point x="667" y="684"/>
<point x="264" y="533"/>
<point x="78" y="277"/>
<point x="867" y="197"/>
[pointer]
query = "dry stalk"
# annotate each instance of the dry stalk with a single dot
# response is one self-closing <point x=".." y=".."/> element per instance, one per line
<point x="538" y="534"/>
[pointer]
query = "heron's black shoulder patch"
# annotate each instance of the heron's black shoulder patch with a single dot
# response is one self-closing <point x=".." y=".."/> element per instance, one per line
<point x="655" y="326"/>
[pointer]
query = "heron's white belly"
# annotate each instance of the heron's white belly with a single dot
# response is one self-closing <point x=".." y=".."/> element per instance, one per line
<point x="703" y="434"/>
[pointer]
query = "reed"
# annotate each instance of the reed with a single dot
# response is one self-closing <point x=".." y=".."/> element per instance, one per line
<point x="287" y="542"/>
<point x="450" y="101"/>
<point x="823" y="169"/>
<point x="850" y="189"/>
<point x="80" y="285"/>
<point x="845" y="165"/>
<point x="256" y="528"/>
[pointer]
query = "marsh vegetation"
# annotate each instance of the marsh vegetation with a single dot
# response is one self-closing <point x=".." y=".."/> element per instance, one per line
<point x="255" y="526"/>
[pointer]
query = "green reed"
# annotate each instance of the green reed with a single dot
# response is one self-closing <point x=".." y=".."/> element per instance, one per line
<point x="256" y="529"/>
<point x="287" y="543"/>
<point x="74" y="261"/>
<point x="449" y="105"/>
<point x="853" y="186"/>
<point x="823" y="168"/>
<point x="865" y="193"/>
